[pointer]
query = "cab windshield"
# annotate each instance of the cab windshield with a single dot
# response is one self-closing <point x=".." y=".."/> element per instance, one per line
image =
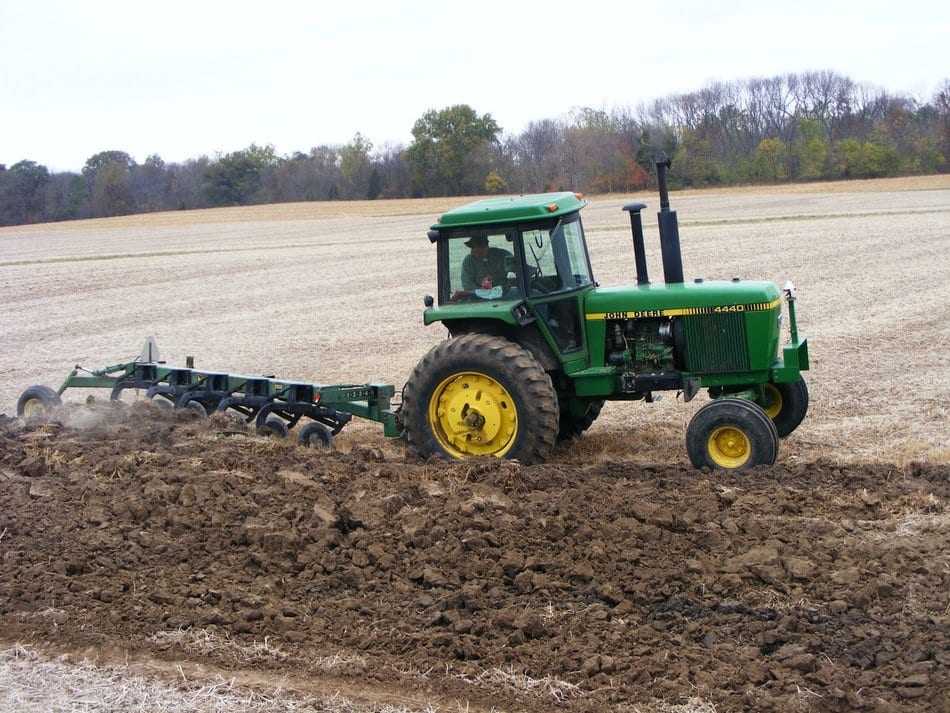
<point x="556" y="257"/>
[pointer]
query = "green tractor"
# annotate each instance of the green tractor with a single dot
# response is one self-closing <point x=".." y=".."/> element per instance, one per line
<point x="536" y="346"/>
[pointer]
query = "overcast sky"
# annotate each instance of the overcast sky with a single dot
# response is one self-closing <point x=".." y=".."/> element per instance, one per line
<point x="186" y="78"/>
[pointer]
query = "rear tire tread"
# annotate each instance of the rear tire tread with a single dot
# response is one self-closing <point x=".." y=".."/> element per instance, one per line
<point x="518" y="366"/>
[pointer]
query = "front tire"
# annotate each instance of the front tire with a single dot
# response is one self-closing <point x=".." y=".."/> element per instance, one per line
<point x="731" y="434"/>
<point x="480" y="395"/>
<point x="786" y="405"/>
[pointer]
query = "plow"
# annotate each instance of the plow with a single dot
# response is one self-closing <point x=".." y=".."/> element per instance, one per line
<point x="273" y="405"/>
<point x="535" y="347"/>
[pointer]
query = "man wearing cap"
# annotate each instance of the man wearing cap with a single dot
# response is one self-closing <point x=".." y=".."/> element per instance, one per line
<point x="485" y="267"/>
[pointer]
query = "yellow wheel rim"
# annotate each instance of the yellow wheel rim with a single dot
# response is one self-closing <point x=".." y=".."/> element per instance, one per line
<point x="33" y="407"/>
<point x="729" y="447"/>
<point x="773" y="405"/>
<point x="471" y="414"/>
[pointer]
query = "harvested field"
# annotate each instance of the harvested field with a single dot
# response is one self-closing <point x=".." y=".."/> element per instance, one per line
<point x="613" y="578"/>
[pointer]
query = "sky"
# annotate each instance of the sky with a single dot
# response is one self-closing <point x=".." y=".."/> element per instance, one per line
<point x="182" y="79"/>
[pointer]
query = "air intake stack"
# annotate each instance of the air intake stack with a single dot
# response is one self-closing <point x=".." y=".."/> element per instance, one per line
<point x="669" y="227"/>
<point x="639" y="251"/>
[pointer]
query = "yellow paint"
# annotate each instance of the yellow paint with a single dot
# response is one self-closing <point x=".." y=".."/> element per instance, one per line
<point x="686" y="311"/>
<point x="471" y="414"/>
<point x="729" y="447"/>
<point x="774" y="407"/>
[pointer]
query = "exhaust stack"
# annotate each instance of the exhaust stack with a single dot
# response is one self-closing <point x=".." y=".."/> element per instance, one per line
<point x="669" y="227"/>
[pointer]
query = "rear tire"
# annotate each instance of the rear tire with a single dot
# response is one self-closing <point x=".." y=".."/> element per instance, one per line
<point x="38" y="400"/>
<point x="573" y="424"/>
<point x="788" y="404"/>
<point x="731" y="434"/>
<point x="488" y="397"/>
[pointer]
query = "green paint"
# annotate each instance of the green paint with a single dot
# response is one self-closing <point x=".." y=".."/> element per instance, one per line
<point x="368" y="401"/>
<point x="501" y="310"/>
<point x="518" y="209"/>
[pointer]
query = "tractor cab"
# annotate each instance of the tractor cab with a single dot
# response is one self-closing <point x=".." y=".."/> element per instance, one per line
<point x="516" y="259"/>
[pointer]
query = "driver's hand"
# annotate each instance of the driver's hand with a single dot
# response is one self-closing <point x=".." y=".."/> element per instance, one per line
<point x="459" y="295"/>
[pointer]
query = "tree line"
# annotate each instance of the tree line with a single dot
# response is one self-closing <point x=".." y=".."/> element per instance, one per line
<point x="801" y="127"/>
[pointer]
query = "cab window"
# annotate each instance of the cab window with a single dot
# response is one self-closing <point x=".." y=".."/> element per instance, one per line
<point x="482" y="266"/>
<point x="556" y="258"/>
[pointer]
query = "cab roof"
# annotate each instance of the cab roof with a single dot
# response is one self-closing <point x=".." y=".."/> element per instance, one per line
<point x="511" y="209"/>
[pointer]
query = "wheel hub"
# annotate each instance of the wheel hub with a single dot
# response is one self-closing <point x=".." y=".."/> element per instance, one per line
<point x="729" y="447"/>
<point x="473" y="414"/>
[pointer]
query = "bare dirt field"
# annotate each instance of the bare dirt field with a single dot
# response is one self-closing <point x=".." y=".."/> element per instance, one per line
<point x="237" y="573"/>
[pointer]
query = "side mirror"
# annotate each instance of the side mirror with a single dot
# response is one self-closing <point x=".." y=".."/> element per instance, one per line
<point x="428" y="301"/>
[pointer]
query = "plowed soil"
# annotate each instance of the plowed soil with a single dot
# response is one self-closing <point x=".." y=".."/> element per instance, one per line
<point x="806" y="586"/>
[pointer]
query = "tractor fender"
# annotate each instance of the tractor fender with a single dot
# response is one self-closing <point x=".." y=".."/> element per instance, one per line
<point x="527" y="337"/>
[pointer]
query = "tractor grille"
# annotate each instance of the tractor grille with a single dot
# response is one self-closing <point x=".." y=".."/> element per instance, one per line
<point x="716" y="343"/>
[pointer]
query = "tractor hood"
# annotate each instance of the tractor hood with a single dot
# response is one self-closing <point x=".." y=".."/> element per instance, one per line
<point x="662" y="300"/>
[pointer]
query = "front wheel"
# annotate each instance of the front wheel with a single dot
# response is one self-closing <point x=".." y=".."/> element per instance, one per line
<point x="786" y="405"/>
<point x="480" y="395"/>
<point x="731" y="434"/>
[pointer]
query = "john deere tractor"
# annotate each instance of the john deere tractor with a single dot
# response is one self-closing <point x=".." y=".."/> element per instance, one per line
<point x="536" y="346"/>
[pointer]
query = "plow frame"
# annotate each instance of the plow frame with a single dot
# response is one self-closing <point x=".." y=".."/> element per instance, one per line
<point x="254" y="397"/>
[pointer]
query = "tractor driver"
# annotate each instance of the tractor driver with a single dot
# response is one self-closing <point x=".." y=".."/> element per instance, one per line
<point x="484" y="268"/>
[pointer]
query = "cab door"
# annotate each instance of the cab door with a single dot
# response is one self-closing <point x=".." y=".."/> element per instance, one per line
<point x="558" y="274"/>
